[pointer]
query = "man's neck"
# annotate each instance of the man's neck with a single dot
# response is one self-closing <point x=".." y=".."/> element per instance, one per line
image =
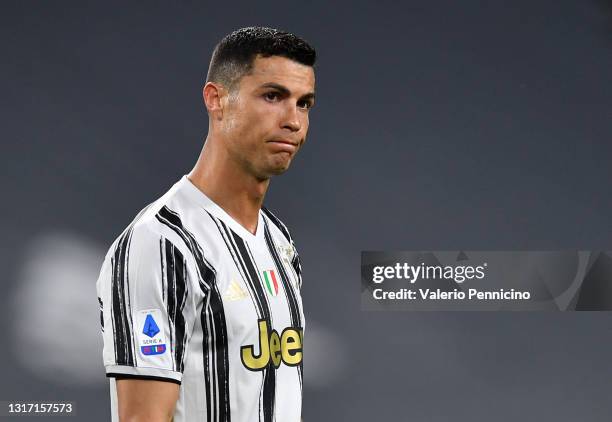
<point x="240" y="194"/>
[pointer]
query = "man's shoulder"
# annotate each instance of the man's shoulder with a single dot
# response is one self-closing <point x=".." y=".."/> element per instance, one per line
<point x="147" y="227"/>
<point x="143" y="225"/>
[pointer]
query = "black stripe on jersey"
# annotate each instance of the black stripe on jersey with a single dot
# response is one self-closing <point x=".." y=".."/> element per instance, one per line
<point x="219" y="333"/>
<point x="215" y="342"/>
<point x="177" y="291"/>
<point x="162" y="263"/>
<point x="225" y="235"/>
<point x="171" y="219"/>
<point x="141" y="377"/>
<point x="252" y="281"/>
<point x="277" y="223"/>
<point x="253" y="275"/>
<point x="120" y="310"/>
<point x="211" y="363"/>
<point x="164" y="289"/>
<point x="269" y="378"/>
<point x="296" y="263"/>
<point x="232" y="247"/>
<point x="101" y="313"/>
<point x="296" y="319"/>
<point x="121" y="315"/>
<point x="245" y="263"/>
<point x="290" y="294"/>
<point x="269" y="381"/>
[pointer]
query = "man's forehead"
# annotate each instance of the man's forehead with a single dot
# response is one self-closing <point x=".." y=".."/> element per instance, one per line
<point x="281" y="70"/>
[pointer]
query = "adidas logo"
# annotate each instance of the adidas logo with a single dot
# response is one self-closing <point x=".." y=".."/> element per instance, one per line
<point x="234" y="292"/>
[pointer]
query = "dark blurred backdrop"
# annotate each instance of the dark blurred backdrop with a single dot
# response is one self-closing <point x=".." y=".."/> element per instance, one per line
<point x="439" y="125"/>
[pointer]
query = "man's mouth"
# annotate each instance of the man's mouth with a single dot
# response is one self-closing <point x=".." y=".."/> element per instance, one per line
<point x="283" y="145"/>
<point x="284" y="141"/>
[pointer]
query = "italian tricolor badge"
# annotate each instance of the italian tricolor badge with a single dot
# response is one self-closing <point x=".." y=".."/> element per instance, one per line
<point x="271" y="283"/>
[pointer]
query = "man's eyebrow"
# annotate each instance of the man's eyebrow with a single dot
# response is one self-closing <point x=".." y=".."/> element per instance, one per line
<point x="285" y="91"/>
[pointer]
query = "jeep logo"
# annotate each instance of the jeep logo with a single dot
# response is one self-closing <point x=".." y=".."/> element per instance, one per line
<point x="273" y="349"/>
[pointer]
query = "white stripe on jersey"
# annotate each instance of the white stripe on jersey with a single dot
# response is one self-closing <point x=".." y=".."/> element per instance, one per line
<point x="190" y="296"/>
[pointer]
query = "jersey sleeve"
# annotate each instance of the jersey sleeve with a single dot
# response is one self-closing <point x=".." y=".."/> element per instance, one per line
<point x="148" y="307"/>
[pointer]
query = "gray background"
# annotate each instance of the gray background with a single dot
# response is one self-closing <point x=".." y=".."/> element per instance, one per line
<point x="439" y="125"/>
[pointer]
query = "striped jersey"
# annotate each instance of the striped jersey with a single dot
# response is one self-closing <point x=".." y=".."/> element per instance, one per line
<point x="188" y="295"/>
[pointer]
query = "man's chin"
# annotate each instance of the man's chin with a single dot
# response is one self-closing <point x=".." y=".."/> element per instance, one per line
<point x="277" y="171"/>
<point x="279" y="167"/>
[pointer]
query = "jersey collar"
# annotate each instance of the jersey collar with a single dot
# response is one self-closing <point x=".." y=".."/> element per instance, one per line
<point x="199" y="197"/>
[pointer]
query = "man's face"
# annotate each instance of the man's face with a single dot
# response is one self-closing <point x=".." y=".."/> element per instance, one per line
<point x="265" y="119"/>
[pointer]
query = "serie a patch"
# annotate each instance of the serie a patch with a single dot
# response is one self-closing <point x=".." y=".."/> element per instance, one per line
<point x="151" y="334"/>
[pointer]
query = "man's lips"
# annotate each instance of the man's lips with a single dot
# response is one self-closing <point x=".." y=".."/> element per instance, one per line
<point x="284" y="141"/>
<point x="284" y="145"/>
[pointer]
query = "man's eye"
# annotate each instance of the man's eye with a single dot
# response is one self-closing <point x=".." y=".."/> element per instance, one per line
<point x="271" y="96"/>
<point x="304" y="104"/>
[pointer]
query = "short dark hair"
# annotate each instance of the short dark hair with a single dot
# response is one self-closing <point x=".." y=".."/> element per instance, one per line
<point x="234" y="55"/>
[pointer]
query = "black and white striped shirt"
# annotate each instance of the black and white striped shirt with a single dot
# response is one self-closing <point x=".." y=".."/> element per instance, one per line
<point x="190" y="296"/>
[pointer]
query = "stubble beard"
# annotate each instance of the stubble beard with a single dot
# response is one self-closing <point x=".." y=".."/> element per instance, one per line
<point x="264" y="169"/>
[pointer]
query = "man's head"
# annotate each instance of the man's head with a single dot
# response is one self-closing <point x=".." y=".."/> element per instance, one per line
<point x="234" y="55"/>
<point x="259" y="89"/>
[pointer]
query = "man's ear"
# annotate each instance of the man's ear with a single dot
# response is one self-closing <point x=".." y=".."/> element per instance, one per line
<point x="215" y="99"/>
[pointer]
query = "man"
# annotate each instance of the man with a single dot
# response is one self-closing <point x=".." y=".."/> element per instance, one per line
<point x="200" y="295"/>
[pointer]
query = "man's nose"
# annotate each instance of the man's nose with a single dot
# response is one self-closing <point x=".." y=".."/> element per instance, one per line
<point x="291" y="119"/>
